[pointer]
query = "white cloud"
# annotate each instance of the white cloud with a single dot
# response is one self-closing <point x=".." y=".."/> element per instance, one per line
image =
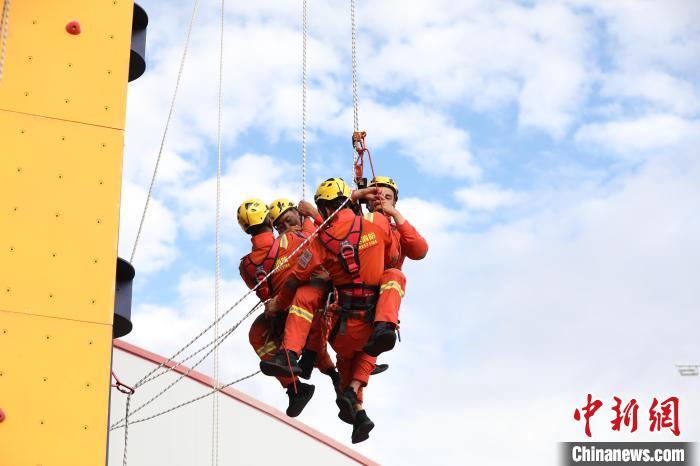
<point x="483" y="55"/>
<point x="486" y="196"/>
<point x="661" y="90"/>
<point x="157" y="245"/>
<point x="427" y="137"/>
<point x="250" y="175"/>
<point x="635" y="138"/>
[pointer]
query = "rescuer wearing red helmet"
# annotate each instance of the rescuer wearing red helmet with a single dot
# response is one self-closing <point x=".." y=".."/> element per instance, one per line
<point x="352" y="249"/>
<point x="407" y="242"/>
<point x="267" y="333"/>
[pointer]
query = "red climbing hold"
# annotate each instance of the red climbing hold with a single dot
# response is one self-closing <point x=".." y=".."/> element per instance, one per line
<point x="73" y="28"/>
<point x="2" y="415"/>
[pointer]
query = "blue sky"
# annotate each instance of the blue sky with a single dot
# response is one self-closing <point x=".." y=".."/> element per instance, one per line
<point x="548" y="152"/>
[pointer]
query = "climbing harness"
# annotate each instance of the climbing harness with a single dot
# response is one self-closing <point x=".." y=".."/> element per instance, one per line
<point x="356" y="300"/>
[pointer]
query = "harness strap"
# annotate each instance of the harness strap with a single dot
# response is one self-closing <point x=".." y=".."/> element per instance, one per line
<point x="257" y="272"/>
<point x="347" y="249"/>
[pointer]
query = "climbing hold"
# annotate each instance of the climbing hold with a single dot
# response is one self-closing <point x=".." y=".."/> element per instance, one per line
<point x="73" y="28"/>
<point x="2" y="415"/>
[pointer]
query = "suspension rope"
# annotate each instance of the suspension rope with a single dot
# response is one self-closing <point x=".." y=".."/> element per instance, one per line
<point x="169" y="410"/>
<point x="304" y="85"/>
<point x="217" y="273"/>
<point x="167" y="126"/>
<point x="4" y="26"/>
<point x="355" y="92"/>
<point x="126" y="429"/>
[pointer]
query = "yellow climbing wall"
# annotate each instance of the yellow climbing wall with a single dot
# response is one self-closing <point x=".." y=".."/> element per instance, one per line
<point x="62" y="112"/>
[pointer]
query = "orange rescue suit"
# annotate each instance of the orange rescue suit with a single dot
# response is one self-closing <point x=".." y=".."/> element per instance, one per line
<point x="375" y="242"/>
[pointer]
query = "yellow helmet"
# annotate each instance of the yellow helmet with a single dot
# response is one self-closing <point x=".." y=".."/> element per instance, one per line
<point x="280" y="206"/>
<point x="386" y="182"/>
<point x="330" y="189"/>
<point x="252" y="212"/>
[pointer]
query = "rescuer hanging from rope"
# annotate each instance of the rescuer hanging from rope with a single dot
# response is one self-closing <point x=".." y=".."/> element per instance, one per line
<point x="352" y="249"/>
<point x="285" y="218"/>
<point x="267" y="332"/>
<point x="408" y="243"/>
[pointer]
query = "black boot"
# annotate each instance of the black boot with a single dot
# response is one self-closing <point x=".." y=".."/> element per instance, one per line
<point x="279" y="366"/>
<point x="298" y="400"/>
<point x="379" y="368"/>
<point x="383" y="338"/>
<point x="361" y="427"/>
<point x="346" y="405"/>
<point x="306" y="362"/>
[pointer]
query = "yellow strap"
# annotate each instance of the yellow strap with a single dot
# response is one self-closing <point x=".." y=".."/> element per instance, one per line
<point x="392" y="284"/>
<point x="370" y="216"/>
<point x="267" y="348"/>
<point x="301" y="312"/>
<point x="284" y="241"/>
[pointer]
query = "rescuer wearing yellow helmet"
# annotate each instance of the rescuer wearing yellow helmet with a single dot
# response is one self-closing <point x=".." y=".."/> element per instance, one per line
<point x="352" y="249"/>
<point x="267" y="334"/>
<point x="285" y="218"/>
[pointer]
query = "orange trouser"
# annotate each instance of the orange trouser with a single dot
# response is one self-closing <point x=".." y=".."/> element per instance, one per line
<point x="353" y="363"/>
<point x="391" y="292"/>
<point x="307" y="300"/>
<point x="318" y="342"/>
<point x="263" y="341"/>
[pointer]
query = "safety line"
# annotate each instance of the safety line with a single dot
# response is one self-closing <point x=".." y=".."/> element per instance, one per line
<point x="304" y="84"/>
<point x="166" y="411"/>
<point x="217" y="273"/>
<point x="190" y="369"/>
<point x="355" y="92"/>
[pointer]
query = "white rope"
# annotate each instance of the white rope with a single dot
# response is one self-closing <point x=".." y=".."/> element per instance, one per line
<point x="167" y="126"/>
<point x="193" y="367"/>
<point x="4" y="26"/>
<point x="169" y="410"/>
<point x="126" y="428"/>
<point x="355" y="92"/>
<point x="217" y="273"/>
<point x="304" y="85"/>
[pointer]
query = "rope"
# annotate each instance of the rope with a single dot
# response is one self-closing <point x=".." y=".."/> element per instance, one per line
<point x="355" y="92"/>
<point x="175" y="366"/>
<point x="4" y="26"/>
<point x="190" y="369"/>
<point x="304" y="84"/>
<point x="126" y="429"/>
<point x="166" y="411"/>
<point x="167" y="126"/>
<point x="217" y="274"/>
